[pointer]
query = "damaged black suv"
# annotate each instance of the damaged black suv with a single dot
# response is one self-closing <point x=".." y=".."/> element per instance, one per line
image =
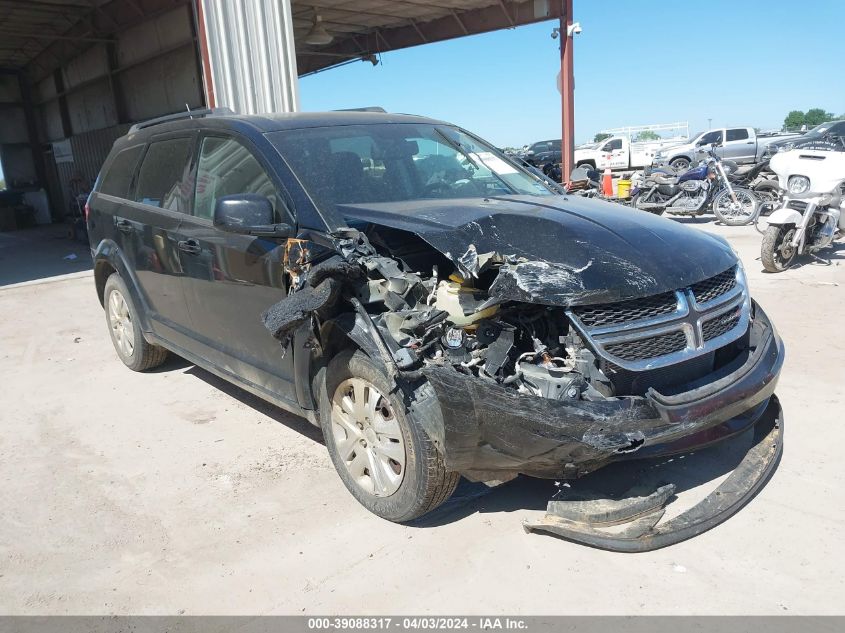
<point x="435" y="308"/>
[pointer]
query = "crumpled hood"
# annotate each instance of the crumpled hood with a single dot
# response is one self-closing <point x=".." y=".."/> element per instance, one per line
<point x="558" y="250"/>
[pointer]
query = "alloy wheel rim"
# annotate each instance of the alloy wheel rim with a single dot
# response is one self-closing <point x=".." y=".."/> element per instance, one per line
<point x="368" y="437"/>
<point x="120" y="321"/>
<point x="785" y="252"/>
<point x="744" y="207"/>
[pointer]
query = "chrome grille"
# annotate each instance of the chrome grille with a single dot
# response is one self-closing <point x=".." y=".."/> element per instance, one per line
<point x="603" y="314"/>
<point x="648" y="347"/>
<point x="721" y="324"/>
<point x="669" y="328"/>
<point x="707" y="290"/>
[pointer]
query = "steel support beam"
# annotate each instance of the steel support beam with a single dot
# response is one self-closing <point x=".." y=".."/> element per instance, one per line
<point x="567" y="91"/>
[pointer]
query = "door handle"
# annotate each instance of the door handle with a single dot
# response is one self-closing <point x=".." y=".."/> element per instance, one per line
<point x="750" y="143"/>
<point x="189" y="246"/>
<point x="124" y="226"/>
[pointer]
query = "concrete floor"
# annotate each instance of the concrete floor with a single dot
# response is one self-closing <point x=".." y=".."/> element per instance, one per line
<point x="172" y="492"/>
<point x="44" y="251"/>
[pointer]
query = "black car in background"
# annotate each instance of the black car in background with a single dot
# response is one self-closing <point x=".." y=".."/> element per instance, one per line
<point x="438" y="310"/>
<point x="826" y="135"/>
<point x="544" y="153"/>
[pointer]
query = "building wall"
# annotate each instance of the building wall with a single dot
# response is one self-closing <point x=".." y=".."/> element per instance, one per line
<point x="15" y="151"/>
<point x="152" y="69"/>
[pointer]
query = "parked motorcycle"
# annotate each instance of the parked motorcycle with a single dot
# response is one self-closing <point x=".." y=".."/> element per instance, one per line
<point x="810" y="216"/>
<point x="696" y="191"/>
<point x="761" y="180"/>
<point x="584" y="181"/>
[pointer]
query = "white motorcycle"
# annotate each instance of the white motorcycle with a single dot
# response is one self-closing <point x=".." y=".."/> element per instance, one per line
<point x="811" y="214"/>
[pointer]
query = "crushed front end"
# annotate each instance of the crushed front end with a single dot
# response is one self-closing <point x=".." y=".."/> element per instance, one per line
<point x="513" y="366"/>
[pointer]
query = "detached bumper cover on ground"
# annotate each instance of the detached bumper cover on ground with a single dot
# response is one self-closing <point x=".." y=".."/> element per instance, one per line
<point x="592" y="521"/>
<point x="488" y="429"/>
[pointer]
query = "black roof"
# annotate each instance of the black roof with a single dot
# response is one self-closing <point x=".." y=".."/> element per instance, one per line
<point x="263" y="123"/>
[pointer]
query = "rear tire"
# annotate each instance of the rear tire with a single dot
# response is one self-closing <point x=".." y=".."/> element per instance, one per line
<point x="775" y="252"/>
<point x="381" y="454"/>
<point x="768" y="192"/>
<point x="125" y="329"/>
<point x="635" y="199"/>
<point x="745" y="214"/>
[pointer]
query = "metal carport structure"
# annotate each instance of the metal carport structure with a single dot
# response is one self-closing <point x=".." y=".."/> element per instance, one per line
<point x="74" y="74"/>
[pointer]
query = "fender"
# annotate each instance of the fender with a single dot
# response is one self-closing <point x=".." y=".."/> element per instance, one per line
<point x="334" y="334"/>
<point x="785" y="216"/>
<point x="107" y="251"/>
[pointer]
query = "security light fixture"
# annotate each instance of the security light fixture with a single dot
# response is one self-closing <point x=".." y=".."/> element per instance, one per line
<point x="318" y="35"/>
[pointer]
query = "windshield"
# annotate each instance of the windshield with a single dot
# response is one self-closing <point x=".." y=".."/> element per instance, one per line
<point x="819" y="130"/>
<point x="357" y="164"/>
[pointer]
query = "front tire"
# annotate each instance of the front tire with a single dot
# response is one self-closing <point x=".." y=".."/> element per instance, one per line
<point x="125" y="330"/>
<point x="776" y="252"/>
<point x="381" y="454"/>
<point x="739" y="214"/>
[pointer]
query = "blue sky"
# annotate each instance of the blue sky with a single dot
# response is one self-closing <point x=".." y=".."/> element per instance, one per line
<point x="738" y="63"/>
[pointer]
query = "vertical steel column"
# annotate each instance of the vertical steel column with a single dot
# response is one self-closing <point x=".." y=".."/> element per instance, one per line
<point x="248" y="55"/>
<point x="567" y="91"/>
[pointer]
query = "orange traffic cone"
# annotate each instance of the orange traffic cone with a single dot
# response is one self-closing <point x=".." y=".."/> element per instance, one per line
<point x="607" y="183"/>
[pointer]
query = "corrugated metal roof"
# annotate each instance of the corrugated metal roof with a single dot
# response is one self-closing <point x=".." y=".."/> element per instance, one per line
<point x="41" y="35"/>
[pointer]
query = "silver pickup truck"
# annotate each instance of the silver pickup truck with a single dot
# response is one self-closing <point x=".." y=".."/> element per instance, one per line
<point x="739" y="144"/>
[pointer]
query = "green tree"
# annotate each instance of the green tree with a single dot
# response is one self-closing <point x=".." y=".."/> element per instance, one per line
<point x="794" y="120"/>
<point x="815" y="116"/>
<point x="648" y="135"/>
<point x="598" y="138"/>
<point x="2" y="184"/>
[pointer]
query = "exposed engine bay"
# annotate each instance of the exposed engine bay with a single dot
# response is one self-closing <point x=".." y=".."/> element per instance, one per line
<point x="432" y="312"/>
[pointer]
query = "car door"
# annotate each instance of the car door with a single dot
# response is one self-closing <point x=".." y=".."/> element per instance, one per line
<point x="231" y="279"/>
<point x="148" y="223"/>
<point x="738" y="146"/>
<point x="703" y="144"/>
<point x="618" y="155"/>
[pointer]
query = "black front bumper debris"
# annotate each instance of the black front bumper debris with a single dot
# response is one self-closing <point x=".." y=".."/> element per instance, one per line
<point x="632" y="523"/>
<point x="489" y="431"/>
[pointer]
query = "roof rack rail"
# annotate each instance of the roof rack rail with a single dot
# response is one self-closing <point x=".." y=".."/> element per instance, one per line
<point x="364" y="109"/>
<point x="187" y="114"/>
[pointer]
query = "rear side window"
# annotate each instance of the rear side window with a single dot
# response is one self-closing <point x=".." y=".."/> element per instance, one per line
<point x="118" y="177"/>
<point x="162" y="179"/>
<point x="226" y="168"/>
<point x="737" y="135"/>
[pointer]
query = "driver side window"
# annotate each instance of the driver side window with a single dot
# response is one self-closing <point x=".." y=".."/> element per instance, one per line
<point x="711" y="137"/>
<point x="225" y="168"/>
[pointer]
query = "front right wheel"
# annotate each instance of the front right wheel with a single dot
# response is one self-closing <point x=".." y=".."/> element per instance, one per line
<point x="777" y="251"/>
<point x="382" y="455"/>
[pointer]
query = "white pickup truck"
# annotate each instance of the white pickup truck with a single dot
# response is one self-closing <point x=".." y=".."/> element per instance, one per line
<point x="739" y="144"/>
<point x="619" y="152"/>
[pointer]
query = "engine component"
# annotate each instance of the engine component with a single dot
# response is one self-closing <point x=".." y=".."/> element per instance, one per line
<point x="555" y="383"/>
<point x="453" y="338"/>
<point x="462" y="302"/>
<point x="498" y="351"/>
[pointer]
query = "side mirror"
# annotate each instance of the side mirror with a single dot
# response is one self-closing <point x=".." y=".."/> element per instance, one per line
<point x="248" y="214"/>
